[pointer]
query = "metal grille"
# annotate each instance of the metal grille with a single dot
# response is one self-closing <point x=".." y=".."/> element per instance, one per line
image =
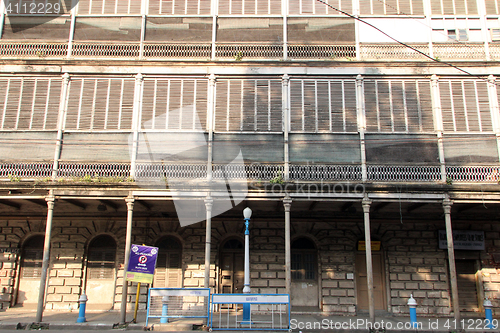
<point x="391" y="7"/>
<point x="325" y="172"/>
<point x="459" y="51"/>
<point x="255" y="171"/>
<point x="26" y="170"/>
<point x="473" y="173"/>
<point x="398" y="106"/>
<point x="321" y="105"/>
<point x="163" y="171"/>
<point x="315" y="52"/>
<point x="248" y="51"/>
<point x="385" y="51"/>
<point x="33" y="50"/>
<point x="465" y="106"/>
<point x="248" y="105"/>
<point x="104" y="50"/>
<point x="404" y="173"/>
<point x="178" y="50"/>
<point x="29" y="103"/>
<point x="166" y="303"/>
<point x="67" y="169"/>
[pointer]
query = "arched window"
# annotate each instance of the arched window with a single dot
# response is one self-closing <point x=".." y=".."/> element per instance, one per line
<point x="303" y="260"/>
<point x="168" y="273"/>
<point x="101" y="258"/>
<point x="32" y="256"/>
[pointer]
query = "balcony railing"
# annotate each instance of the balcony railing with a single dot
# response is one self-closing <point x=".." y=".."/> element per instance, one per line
<point x="247" y="51"/>
<point x="274" y="172"/>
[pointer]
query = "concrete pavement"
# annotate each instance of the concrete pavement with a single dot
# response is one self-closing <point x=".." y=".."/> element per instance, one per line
<point x="21" y="318"/>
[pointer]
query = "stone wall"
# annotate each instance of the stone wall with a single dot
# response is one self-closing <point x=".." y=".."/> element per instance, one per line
<point x="413" y="262"/>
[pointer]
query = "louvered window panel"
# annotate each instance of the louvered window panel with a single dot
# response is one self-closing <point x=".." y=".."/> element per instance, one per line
<point x="249" y="7"/>
<point x="32" y="263"/>
<point x="391" y="7"/>
<point x="492" y="7"/>
<point x="314" y="7"/>
<point x="323" y="106"/>
<point x="87" y="7"/>
<point x="101" y="263"/>
<point x="174" y="104"/>
<point x="398" y="106"/>
<point x="454" y="7"/>
<point x="100" y="104"/>
<point x="29" y="103"/>
<point x="465" y="106"/>
<point x="179" y="7"/>
<point x="248" y="105"/>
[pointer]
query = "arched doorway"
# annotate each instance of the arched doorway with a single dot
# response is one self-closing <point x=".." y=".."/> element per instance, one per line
<point x="304" y="273"/>
<point x="378" y="269"/>
<point x="30" y="271"/>
<point x="101" y="272"/>
<point x="168" y="273"/>
<point x="231" y="268"/>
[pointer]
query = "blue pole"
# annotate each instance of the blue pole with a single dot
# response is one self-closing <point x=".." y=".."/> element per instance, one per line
<point x="488" y="313"/>
<point x="413" y="311"/>
<point x="81" y="312"/>
<point x="164" y="310"/>
<point x="246" y="287"/>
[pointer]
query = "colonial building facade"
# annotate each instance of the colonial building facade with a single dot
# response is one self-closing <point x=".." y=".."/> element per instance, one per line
<point x="157" y="122"/>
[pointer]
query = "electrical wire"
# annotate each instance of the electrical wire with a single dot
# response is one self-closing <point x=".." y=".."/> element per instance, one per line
<point x="404" y="44"/>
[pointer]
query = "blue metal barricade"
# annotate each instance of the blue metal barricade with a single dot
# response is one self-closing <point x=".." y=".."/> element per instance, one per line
<point x="169" y="303"/>
<point x="268" y="312"/>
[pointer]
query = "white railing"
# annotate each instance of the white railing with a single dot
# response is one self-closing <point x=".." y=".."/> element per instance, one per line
<point x="177" y="50"/>
<point x="403" y="173"/>
<point x="273" y="172"/>
<point x="311" y="52"/>
<point x="33" y="50"/>
<point x="383" y="51"/>
<point x="78" y="169"/>
<point x="474" y="174"/>
<point x="256" y="171"/>
<point x="244" y="51"/>
<point x="325" y="172"/>
<point x="17" y="171"/>
<point x="106" y="50"/>
<point x="248" y="51"/>
<point x="459" y="51"/>
<point x="162" y="171"/>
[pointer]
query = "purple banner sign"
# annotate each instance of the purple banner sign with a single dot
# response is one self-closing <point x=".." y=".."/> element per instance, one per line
<point x="142" y="263"/>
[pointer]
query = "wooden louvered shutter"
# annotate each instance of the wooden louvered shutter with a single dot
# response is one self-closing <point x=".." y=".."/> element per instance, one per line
<point x="492" y="7"/>
<point x="174" y="270"/>
<point x="32" y="263"/>
<point x="465" y="106"/>
<point x="101" y="263"/>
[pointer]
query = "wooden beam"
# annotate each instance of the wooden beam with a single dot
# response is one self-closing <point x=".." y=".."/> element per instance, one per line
<point x="380" y="206"/>
<point x="312" y="205"/>
<point x="10" y="204"/>
<point x="109" y="203"/>
<point x="464" y="207"/>
<point x="144" y="204"/>
<point x="415" y="206"/>
<point x="76" y="203"/>
<point x="38" y="202"/>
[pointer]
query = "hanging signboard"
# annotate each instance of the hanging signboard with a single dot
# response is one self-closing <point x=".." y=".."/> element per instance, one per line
<point x="463" y="240"/>
<point x="142" y="263"/>
<point x="375" y="246"/>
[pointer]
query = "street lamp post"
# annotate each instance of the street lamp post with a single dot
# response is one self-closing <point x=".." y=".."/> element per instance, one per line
<point x="247" y="213"/>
